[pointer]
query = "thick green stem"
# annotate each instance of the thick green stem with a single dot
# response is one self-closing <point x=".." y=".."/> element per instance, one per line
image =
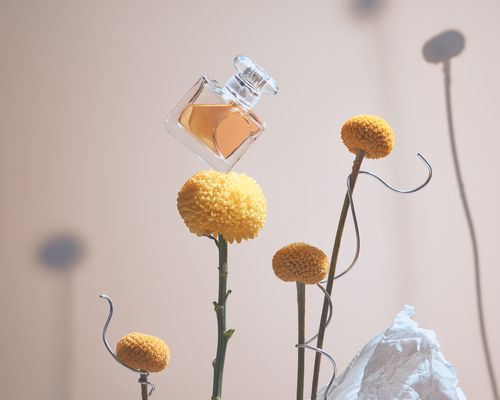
<point x="220" y="309"/>
<point x="301" y="305"/>
<point x="331" y="273"/>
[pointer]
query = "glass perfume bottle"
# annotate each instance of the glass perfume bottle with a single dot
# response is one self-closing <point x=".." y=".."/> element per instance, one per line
<point x="216" y="121"/>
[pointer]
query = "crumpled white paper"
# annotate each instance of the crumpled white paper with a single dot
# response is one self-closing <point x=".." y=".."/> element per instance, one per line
<point x="402" y="363"/>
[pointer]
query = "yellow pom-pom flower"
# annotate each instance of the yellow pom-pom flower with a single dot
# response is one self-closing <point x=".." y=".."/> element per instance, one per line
<point x="230" y="204"/>
<point x="145" y="352"/>
<point x="300" y="262"/>
<point x="369" y="133"/>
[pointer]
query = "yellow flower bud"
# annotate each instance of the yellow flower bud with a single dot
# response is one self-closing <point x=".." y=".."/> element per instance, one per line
<point x="300" y="262"/>
<point x="369" y="133"/>
<point x="145" y="352"/>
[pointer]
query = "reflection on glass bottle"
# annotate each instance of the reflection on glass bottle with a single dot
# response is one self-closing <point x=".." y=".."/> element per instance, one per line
<point x="215" y="120"/>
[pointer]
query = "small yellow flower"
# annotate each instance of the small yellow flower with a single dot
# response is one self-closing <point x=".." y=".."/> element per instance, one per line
<point x="369" y="133"/>
<point x="230" y="204"/>
<point x="300" y="262"/>
<point x="145" y="352"/>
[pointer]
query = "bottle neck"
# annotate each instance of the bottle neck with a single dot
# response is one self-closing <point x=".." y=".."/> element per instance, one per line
<point x="242" y="93"/>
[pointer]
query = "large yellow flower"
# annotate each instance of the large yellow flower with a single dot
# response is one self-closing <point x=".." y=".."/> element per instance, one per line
<point x="230" y="204"/>
<point x="300" y="262"/>
<point x="369" y="133"/>
<point x="145" y="352"/>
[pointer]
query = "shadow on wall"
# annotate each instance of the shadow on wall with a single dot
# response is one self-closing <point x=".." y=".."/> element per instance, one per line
<point x="59" y="254"/>
<point x="441" y="49"/>
<point x="61" y="251"/>
<point x="363" y="9"/>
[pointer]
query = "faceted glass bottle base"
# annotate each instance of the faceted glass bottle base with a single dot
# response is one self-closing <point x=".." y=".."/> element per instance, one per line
<point x="212" y="126"/>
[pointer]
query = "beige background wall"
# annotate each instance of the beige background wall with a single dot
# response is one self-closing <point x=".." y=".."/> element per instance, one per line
<point x="84" y="89"/>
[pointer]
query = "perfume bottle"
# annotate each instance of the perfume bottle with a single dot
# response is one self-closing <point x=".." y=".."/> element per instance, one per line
<point x="216" y="121"/>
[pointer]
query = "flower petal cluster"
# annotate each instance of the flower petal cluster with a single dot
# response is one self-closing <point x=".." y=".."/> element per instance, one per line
<point x="369" y="133"/>
<point x="300" y="262"/>
<point x="230" y="204"/>
<point x="145" y="352"/>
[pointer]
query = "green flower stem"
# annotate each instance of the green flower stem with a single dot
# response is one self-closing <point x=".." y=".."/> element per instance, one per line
<point x="331" y="273"/>
<point x="144" y="387"/>
<point x="220" y="309"/>
<point x="301" y="305"/>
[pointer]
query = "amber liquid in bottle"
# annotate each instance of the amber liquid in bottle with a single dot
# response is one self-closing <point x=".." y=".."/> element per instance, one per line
<point x="221" y="127"/>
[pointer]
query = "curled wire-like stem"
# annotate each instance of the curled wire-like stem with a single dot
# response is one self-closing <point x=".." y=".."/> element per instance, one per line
<point x="405" y="191"/>
<point x="330" y="312"/>
<point x="330" y="358"/>
<point x="105" y="331"/>
<point x="153" y="388"/>
<point x="394" y="189"/>
<point x="307" y="345"/>
<point x="143" y="379"/>
<point x="356" y="255"/>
